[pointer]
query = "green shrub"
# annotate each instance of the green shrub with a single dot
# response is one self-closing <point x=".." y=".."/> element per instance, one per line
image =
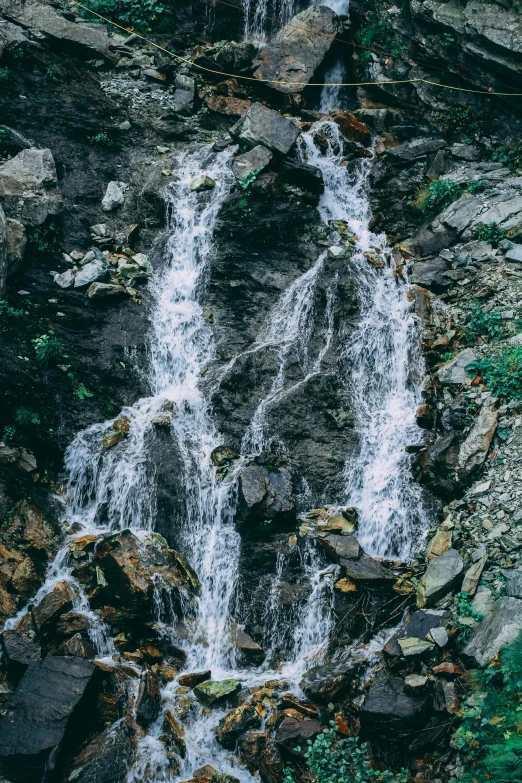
<point x="5" y="75"/>
<point x="442" y="192"/>
<point x="489" y="737"/>
<point x="79" y="389"/>
<point x="377" y="34"/>
<point x="103" y="139"/>
<point x="44" y="240"/>
<point x="248" y="179"/>
<point x="457" y="119"/>
<point x="333" y="758"/>
<point x="47" y="347"/>
<point x="26" y="417"/>
<point x="510" y="155"/>
<point x="489" y="232"/>
<point x="133" y="14"/>
<point x="483" y="324"/>
<point x="501" y="374"/>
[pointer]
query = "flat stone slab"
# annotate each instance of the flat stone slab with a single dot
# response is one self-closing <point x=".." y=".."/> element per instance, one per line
<point x="441" y="576"/>
<point x="499" y="629"/>
<point x="212" y="691"/>
<point x="454" y="371"/>
<point x="267" y="127"/>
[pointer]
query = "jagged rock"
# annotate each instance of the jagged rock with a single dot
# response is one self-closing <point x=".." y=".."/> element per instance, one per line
<point x="65" y="279"/>
<point x="440" y="543"/>
<point x="213" y="692"/>
<point x="176" y="733"/>
<point x="209" y="773"/>
<point x="49" y="698"/>
<point x="92" y="272"/>
<point x="472" y="576"/>
<point x="16" y="244"/>
<point x="82" y="40"/>
<point x="54" y="603"/>
<point x="228" y="105"/>
<point x="416" y="149"/>
<point x="294" y="732"/>
<point x="234" y="724"/>
<point x="514" y="254"/>
<point x="114" y="196"/>
<point x="439" y="636"/>
<point x="184" y="91"/>
<point x="28" y="187"/>
<point x="326" y="682"/>
<point x="415" y="682"/>
<point x="474" y="450"/>
<point x="496" y="631"/>
<point x="435" y="466"/>
<point x="255" y="160"/>
<point x="19" y="650"/>
<point x="388" y="709"/>
<point x="351" y="128"/>
<point x="430" y="274"/>
<point x="266" y="494"/>
<point x="339" y="546"/>
<point x="105" y="291"/>
<point x="454" y="372"/>
<point x="411" y="646"/>
<point x="248" y="650"/>
<point x="445" y="698"/>
<point x="194" y="678"/>
<point x="137" y="568"/>
<point x="366" y="569"/>
<point x="297" y="49"/>
<point x="107" y="757"/>
<point x="202" y="183"/>
<point x="483" y="602"/>
<point x="222" y="456"/>
<point x="260" y="754"/>
<point x="11" y="36"/>
<point x="77" y="646"/>
<point x="71" y="623"/>
<point x="441" y="576"/>
<point x="302" y="175"/>
<point x="267" y="127"/>
<point x="21" y="458"/>
<point x="149" y="699"/>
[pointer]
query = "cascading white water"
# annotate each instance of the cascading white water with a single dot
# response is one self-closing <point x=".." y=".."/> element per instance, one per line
<point x="257" y="21"/>
<point x="330" y="93"/>
<point x="382" y="362"/>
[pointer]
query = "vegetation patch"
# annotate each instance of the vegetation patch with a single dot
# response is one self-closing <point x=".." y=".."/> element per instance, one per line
<point x="501" y="374"/>
<point x="483" y="324"/>
<point x="132" y="14"/>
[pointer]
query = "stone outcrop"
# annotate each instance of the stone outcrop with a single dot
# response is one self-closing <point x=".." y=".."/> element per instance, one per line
<point x="297" y="50"/>
<point x="29" y="188"/>
<point x="264" y="126"/>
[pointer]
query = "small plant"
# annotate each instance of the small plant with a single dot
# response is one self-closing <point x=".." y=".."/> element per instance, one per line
<point x="138" y="14"/>
<point x="464" y="608"/>
<point x="437" y="196"/>
<point x="510" y="155"/>
<point x="248" y="179"/>
<point x="447" y="356"/>
<point x="489" y="232"/>
<point x="5" y="75"/>
<point x="457" y="119"/>
<point x="10" y="312"/>
<point x="377" y="34"/>
<point x="52" y="74"/>
<point x="104" y="140"/>
<point x="501" y="374"/>
<point x="79" y="389"/>
<point x="243" y="202"/>
<point x="333" y="758"/>
<point x="47" y="347"/>
<point x="489" y="737"/>
<point x="44" y="240"/>
<point x="26" y="417"/>
<point x="483" y="324"/>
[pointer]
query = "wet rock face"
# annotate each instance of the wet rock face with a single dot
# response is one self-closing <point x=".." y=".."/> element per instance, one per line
<point x="50" y="698"/>
<point x="389" y="708"/>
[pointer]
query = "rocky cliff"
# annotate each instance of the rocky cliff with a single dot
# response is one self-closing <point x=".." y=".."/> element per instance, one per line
<point x="156" y="493"/>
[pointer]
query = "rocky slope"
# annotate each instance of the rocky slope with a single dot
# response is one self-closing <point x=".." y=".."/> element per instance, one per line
<point x="95" y="127"/>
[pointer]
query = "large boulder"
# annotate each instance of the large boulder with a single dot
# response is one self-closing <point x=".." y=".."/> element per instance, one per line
<point x="454" y="371"/>
<point x="391" y="710"/>
<point x="289" y="61"/>
<point x="266" y="494"/>
<point x="295" y="731"/>
<point x="430" y="274"/>
<point x="474" y="450"/>
<point x="213" y="692"/>
<point x="82" y="40"/>
<point x="267" y="127"/>
<point x="29" y="187"/>
<point x="51" y="699"/>
<point x="442" y="575"/>
<point x="236" y="723"/>
<point x="326" y="682"/>
<point x="499" y="629"/>
<point x="417" y="625"/>
<point x="107" y="757"/>
<point x="252" y="161"/>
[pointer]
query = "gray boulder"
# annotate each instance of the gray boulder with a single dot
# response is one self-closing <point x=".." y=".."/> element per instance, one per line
<point x="90" y="273"/>
<point x="28" y="187"/>
<point x="265" y="126"/>
<point x="16" y="244"/>
<point x="499" y="629"/>
<point x="80" y="39"/>
<point x="388" y="708"/>
<point x="514" y="254"/>
<point x="474" y="450"/>
<point x="266" y="494"/>
<point x="114" y="196"/>
<point x="441" y="576"/>
<point x="48" y="699"/>
<point x="255" y="159"/>
<point x="454" y="371"/>
<point x="418" y="148"/>
<point x="430" y="274"/>
<point x="417" y="626"/>
<point x="11" y="36"/>
<point x="184" y="91"/>
<point x="366" y="569"/>
<point x="338" y="546"/>
<point x="105" y="291"/>
<point x="107" y="757"/>
<point x="297" y="49"/>
<point x="65" y="279"/>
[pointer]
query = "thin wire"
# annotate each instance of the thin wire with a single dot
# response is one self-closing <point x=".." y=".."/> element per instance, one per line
<point x="291" y="84"/>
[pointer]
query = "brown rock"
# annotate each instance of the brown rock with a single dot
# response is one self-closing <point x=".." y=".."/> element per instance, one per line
<point x="149" y="699"/>
<point x="232" y="107"/>
<point x="351" y="128"/>
<point x="176" y="733"/>
<point x="194" y="678"/>
<point x="448" y="668"/>
<point x="54" y="604"/>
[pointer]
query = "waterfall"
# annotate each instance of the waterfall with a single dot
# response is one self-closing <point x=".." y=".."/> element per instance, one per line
<point x="257" y="19"/>
<point x="330" y="95"/>
<point x="382" y="363"/>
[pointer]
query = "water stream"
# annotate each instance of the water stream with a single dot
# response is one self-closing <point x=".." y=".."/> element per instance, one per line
<point x="113" y="489"/>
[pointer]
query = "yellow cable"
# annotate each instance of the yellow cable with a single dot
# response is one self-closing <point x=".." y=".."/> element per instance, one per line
<point x="289" y="84"/>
